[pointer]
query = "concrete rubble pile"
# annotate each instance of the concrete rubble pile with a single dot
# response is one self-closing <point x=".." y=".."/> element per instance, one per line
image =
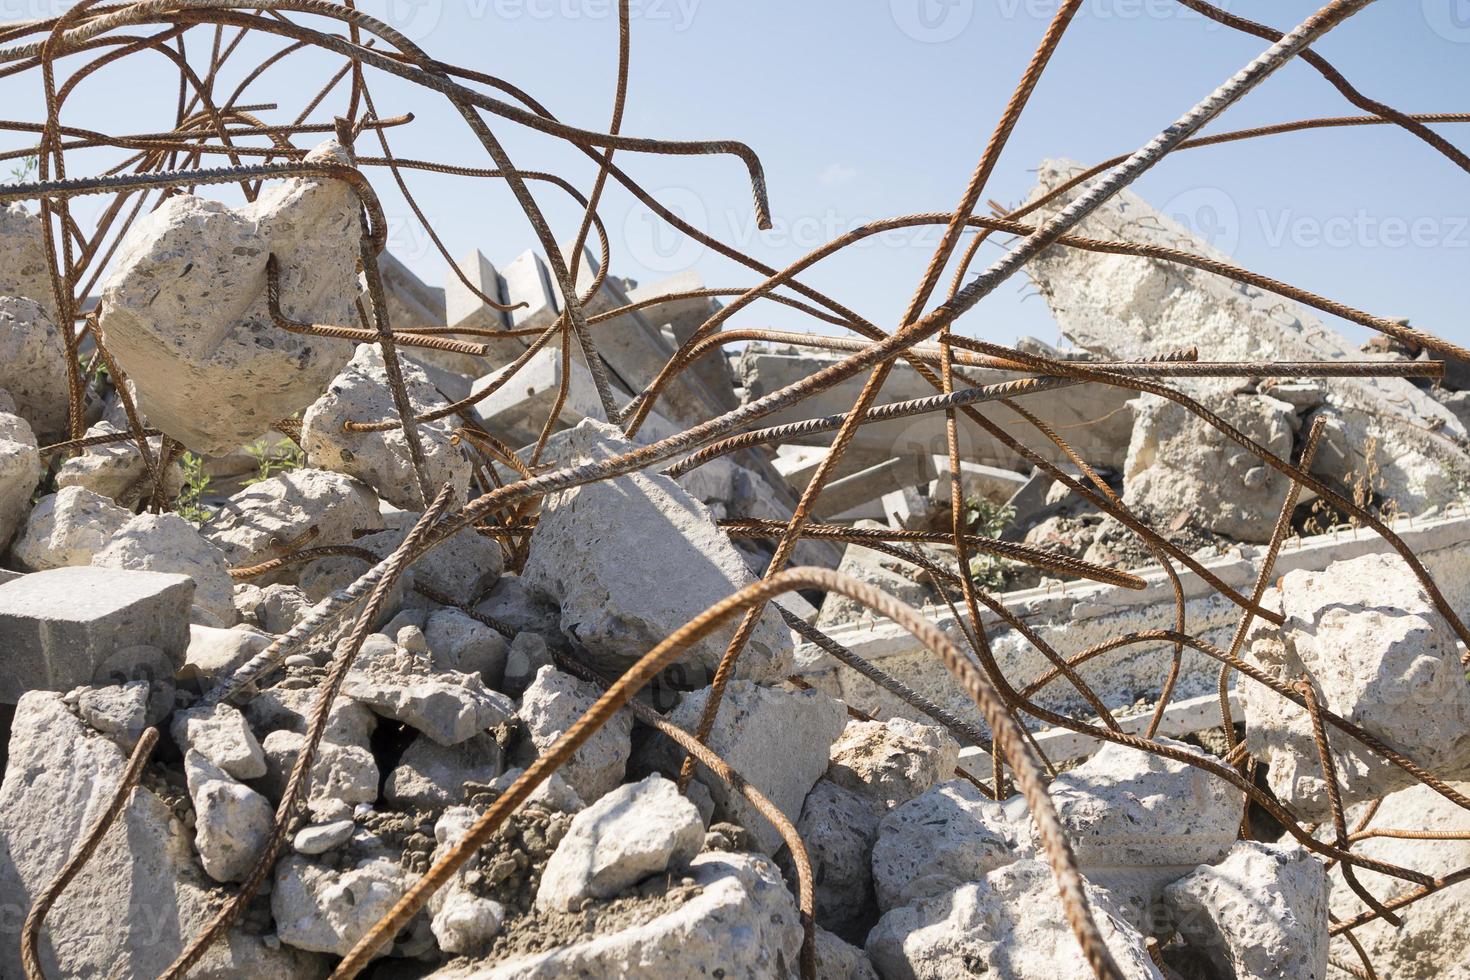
<point x="129" y="604"/>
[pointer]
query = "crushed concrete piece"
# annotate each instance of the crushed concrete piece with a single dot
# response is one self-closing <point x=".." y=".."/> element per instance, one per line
<point x="513" y="603"/>
<point x="838" y="828"/>
<point x="892" y="761"/>
<point x="281" y="607"/>
<point x="1121" y="812"/>
<point x="462" y="308"/>
<point x="839" y="960"/>
<point x="338" y="771"/>
<point x="119" y="711"/>
<point x="67" y="627"/>
<point x="809" y="722"/>
<point x="517" y="410"/>
<point x="602" y="550"/>
<point x="523" y="661"/>
<point x="464" y="567"/>
<point x="447" y="706"/>
<point x="381" y="459"/>
<point x="141" y="896"/>
<point x="232" y="822"/>
<point x="168" y="543"/>
<point x="257" y="523"/>
<point x="67" y="528"/>
<point x="20" y="472"/>
<point x="214" y="653"/>
<point x="1378" y="654"/>
<point x="1126" y="307"/>
<point x="465" y="922"/>
<point x="936" y="842"/>
<point x="459" y="642"/>
<point x="328" y="911"/>
<point x="551" y="704"/>
<point x="24" y="268"/>
<point x="116" y="470"/>
<point x="637" y="830"/>
<point x="527" y="280"/>
<point x="1179" y="464"/>
<point x="33" y="364"/>
<point x="875" y="569"/>
<point x="275" y="708"/>
<point x="553" y="793"/>
<point x="1261" y="913"/>
<point x="184" y="310"/>
<point x="219" y="734"/>
<point x="320" y="838"/>
<point x="1010" y="924"/>
<point x="742" y="924"/>
<point x="1431" y="943"/>
<point x="431" y="776"/>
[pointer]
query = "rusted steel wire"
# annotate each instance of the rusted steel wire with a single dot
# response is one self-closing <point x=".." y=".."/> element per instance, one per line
<point x="168" y="161"/>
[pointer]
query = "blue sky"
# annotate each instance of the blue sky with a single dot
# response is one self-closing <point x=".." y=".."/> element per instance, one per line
<point x="862" y="109"/>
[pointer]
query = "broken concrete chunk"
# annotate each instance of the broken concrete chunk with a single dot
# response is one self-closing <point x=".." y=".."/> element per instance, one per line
<point x="809" y="722"/>
<point x="261" y="521"/>
<point x="466" y="922"/>
<point x="282" y="606"/>
<point x="168" y="543"/>
<point x="116" y="470"/>
<point x="66" y="627"/>
<point x="320" y="838"/>
<point x="936" y="842"/>
<point x="381" y="459"/>
<point x="603" y="551"/>
<point x="67" y="528"/>
<point x="140" y="897"/>
<point x="838" y="960"/>
<point x="462" y="308"/>
<point x="741" y="923"/>
<point x="344" y="772"/>
<point x="220" y="735"/>
<point x="1180" y="465"/>
<point x="445" y="705"/>
<point x="463" y="568"/>
<point x="459" y="642"/>
<point x="637" y="830"/>
<point x="20" y="473"/>
<point x="551" y="704"/>
<point x="119" y="711"/>
<point x="1378" y="654"/>
<point x="184" y="311"/>
<point x="214" y="653"/>
<point x="24" y="268"/>
<point x="1259" y="914"/>
<point x="232" y="822"/>
<point x="892" y="761"/>
<point x="1431" y="943"/>
<point x="33" y="364"/>
<point x="871" y="568"/>
<point x="838" y="827"/>
<point x="1121" y="812"/>
<point x="1010" y="924"/>
<point x="430" y="776"/>
<point x="1127" y="307"/>
<point x="328" y="911"/>
<point x="517" y="410"/>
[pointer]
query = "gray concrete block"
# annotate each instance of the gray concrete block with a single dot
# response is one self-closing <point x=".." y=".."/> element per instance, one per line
<point x="462" y="308"/>
<point x="527" y="280"/>
<point x="65" y="627"/>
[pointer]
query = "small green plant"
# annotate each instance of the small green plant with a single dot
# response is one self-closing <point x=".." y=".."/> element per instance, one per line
<point x="23" y="171"/>
<point x="272" y="457"/>
<point x="987" y="519"/>
<point x="190" y="502"/>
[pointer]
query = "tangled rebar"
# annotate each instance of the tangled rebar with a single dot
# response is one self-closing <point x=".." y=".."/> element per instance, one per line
<point x="94" y="37"/>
